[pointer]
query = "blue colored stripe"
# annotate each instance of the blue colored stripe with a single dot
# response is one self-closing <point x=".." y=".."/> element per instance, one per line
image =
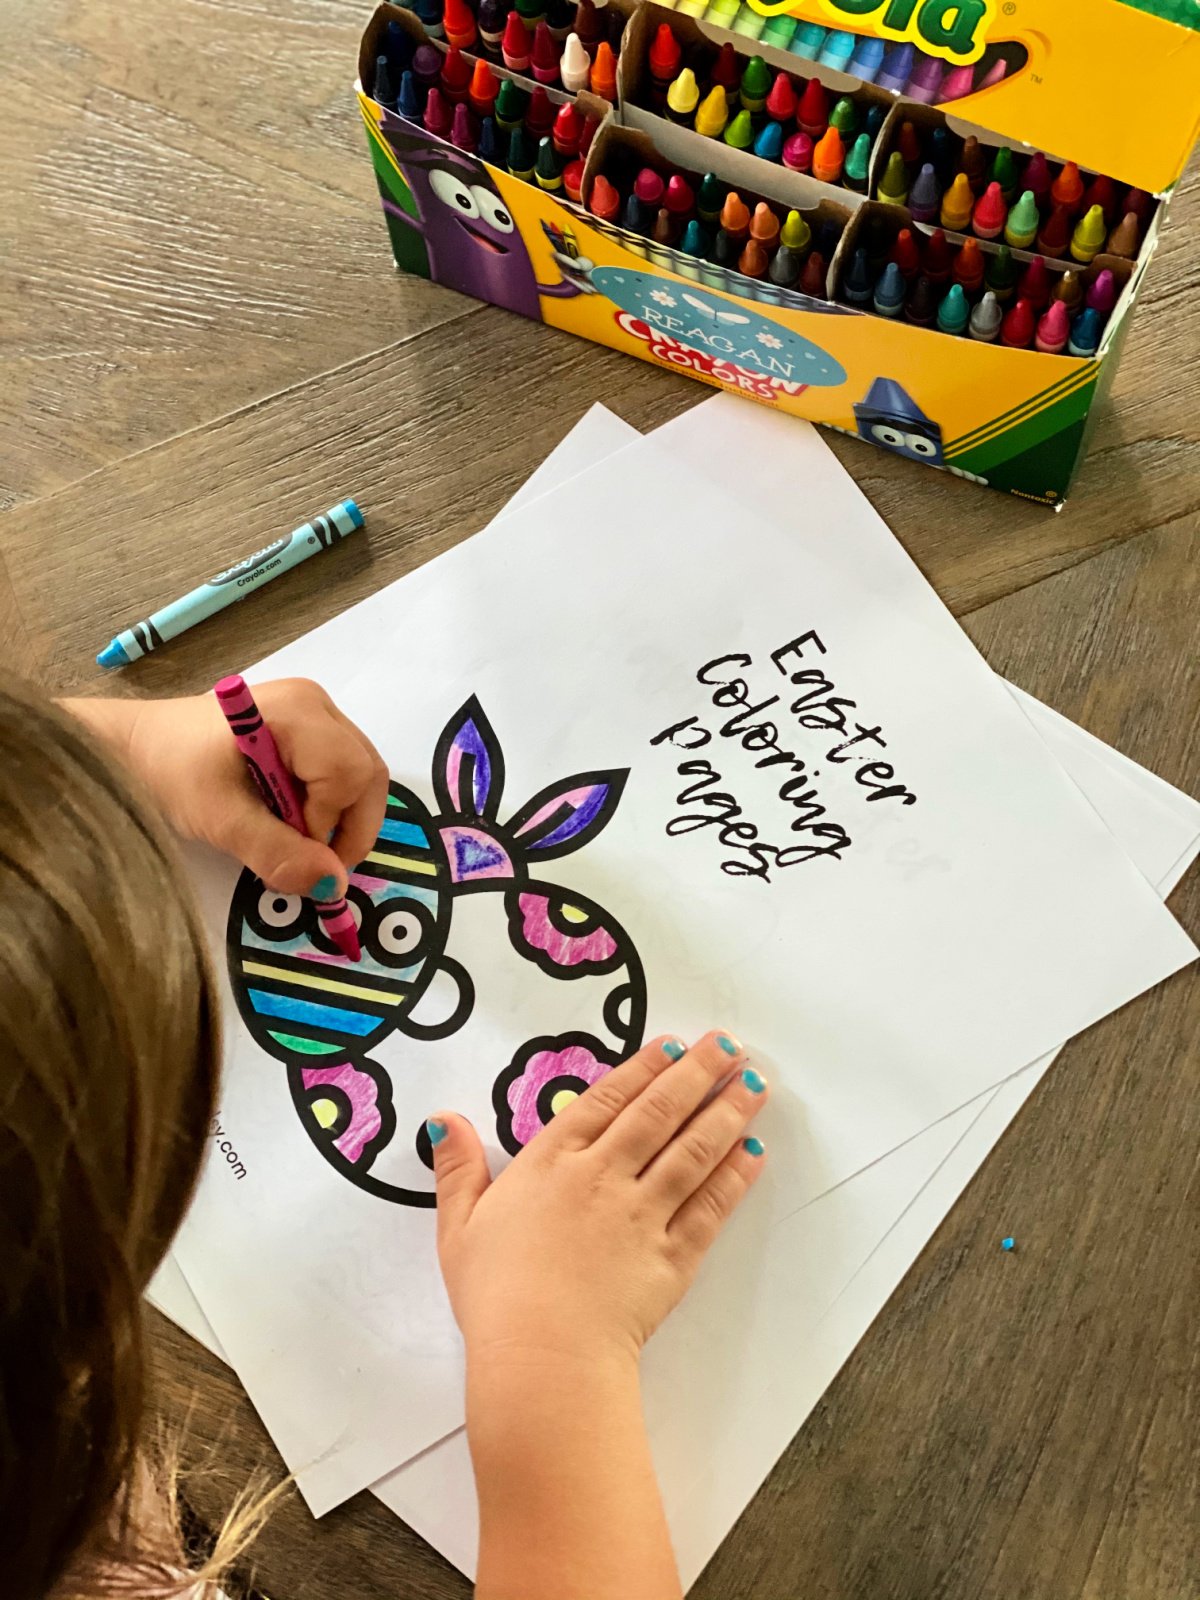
<point x="404" y="833"/>
<point x="333" y="1017"/>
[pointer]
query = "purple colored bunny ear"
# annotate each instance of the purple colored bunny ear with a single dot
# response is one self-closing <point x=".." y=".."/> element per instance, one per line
<point x="565" y="815"/>
<point x="468" y="764"/>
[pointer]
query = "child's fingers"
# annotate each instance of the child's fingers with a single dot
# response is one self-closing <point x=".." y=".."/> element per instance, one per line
<point x="703" y="1143"/>
<point x="700" y="1219"/>
<point x="653" y="1119"/>
<point x="585" y="1119"/>
<point x="460" y="1168"/>
<point x="281" y="857"/>
<point x="345" y="785"/>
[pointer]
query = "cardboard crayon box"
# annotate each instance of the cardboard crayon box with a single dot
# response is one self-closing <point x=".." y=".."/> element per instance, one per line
<point x="1014" y="419"/>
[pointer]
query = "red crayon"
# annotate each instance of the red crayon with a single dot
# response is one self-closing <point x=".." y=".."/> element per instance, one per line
<point x="990" y="213"/>
<point x="1101" y="192"/>
<point x="937" y="259"/>
<point x="544" y="54"/>
<point x="1054" y="235"/>
<point x="438" y="115"/>
<point x="573" y="179"/>
<point x="813" y="111"/>
<point x="458" y="21"/>
<point x="539" y="119"/>
<point x="906" y="254"/>
<point x="1019" y="326"/>
<point x="589" y="26"/>
<point x="456" y="76"/>
<point x="256" y="744"/>
<point x="485" y="86"/>
<point x="781" y="102"/>
<point x="1054" y="329"/>
<point x="1140" y="203"/>
<point x="1067" y="189"/>
<point x="665" y="56"/>
<point x="515" y="47"/>
<point x="909" y="145"/>
<point x="726" y="74"/>
<point x="590" y="124"/>
<point x="969" y="267"/>
<point x="679" y="199"/>
<point x="464" y="130"/>
<point x="1037" y="178"/>
<point x="1036" y="285"/>
<point x="567" y="131"/>
<point x="604" y="201"/>
<point x="649" y="188"/>
<point x="813" y="278"/>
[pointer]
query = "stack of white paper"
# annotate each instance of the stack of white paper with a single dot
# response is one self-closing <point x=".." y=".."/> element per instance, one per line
<point x="835" y="832"/>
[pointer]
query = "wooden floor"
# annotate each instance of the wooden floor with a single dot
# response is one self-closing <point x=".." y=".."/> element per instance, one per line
<point x="203" y="338"/>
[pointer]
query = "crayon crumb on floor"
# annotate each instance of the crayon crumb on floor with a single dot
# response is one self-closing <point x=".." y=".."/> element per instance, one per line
<point x="1008" y="1244"/>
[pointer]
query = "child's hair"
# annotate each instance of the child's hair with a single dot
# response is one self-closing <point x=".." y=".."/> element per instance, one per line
<point x="108" y="1077"/>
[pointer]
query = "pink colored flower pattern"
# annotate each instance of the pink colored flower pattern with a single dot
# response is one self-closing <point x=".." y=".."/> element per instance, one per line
<point x="546" y="1074"/>
<point x="592" y="945"/>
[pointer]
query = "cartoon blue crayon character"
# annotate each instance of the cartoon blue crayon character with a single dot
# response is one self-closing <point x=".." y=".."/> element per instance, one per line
<point x="889" y="416"/>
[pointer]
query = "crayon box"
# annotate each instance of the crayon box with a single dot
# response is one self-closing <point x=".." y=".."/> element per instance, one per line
<point x="1014" y="419"/>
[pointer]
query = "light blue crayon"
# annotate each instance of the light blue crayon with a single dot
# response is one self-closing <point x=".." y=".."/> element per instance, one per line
<point x="769" y="143"/>
<point x="234" y="584"/>
<point x="867" y="58"/>
<point x="837" y="50"/>
<point x="807" y="40"/>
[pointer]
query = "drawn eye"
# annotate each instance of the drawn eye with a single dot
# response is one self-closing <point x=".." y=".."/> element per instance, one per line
<point x="400" y="935"/>
<point x="892" y="437"/>
<point x="491" y="210"/>
<point x="359" y="905"/>
<point x="452" y="192"/>
<point x="280" y="913"/>
<point x="920" y="445"/>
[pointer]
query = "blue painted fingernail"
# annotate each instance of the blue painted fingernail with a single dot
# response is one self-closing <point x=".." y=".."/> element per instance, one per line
<point x="324" y="889"/>
<point x="437" y="1131"/>
<point x="753" y="1146"/>
<point x="729" y="1044"/>
<point x="753" y="1081"/>
<point x="672" y="1048"/>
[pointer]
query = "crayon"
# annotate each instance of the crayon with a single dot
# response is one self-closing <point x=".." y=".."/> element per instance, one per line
<point x="796" y="235"/>
<point x="813" y="278"/>
<point x="490" y="22"/>
<point x="828" y="236"/>
<point x="560" y="19"/>
<point x="694" y="241"/>
<point x="1069" y="289"/>
<point x="781" y="102"/>
<point x="925" y="201"/>
<point x="664" y="231"/>
<point x="1036" y="178"/>
<point x="1102" y="296"/>
<point x="1053" y="330"/>
<point x="920" y="305"/>
<point x="893" y="186"/>
<point x="603" y="80"/>
<point x="1123" y="240"/>
<point x="1067" y="189"/>
<point x="1101" y="192"/>
<point x="456" y="76"/>
<point x="1001" y="274"/>
<point x="755" y="85"/>
<point x="813" y="111"/>
<point x="573" y="179"/>
<point x="954" y="313"/>
<point x="925" y="82"/>
<point x="968" y="268"/>
<point x="1085" y="333"/>
<point x="837" y="50"/>
<point x="1004" y="172"/>
<point x="857" y="286"/>
<point x="807" y="40"/>
<point x="1140" y="203"/>
<point x="511" y="105"/>
<point x="764" y="226"/>
<point x="567" y="131"/>
<point x="589" y="26"/>
<point x="906" y="254"/>
<point x="439" y="117"/>
<point x="768" y="146"/>
<point x="1023" y="223"/>
<point x="464" y="129"/>
<point x="721" y="13"/>
<point x="516" y="46"/>
<point x="426" y="66"/>
<point x="726" y="74"/>
<point x="1035" y="285"/>
<point x="1087" y="241"/>
<point x="574" y="65"/>
<point x="726" y="250"/>
<point x="382" y="91"/>
<point x="844" y="118"/>
<point x="430" y="14"/>
<point x="712" y="114"/>
<point x="986" y="319"/>
<point x="858" y="164"/>
<point x="483" y="89"/>
<point x="748" y="22"/>
<point x="995" y="74"/>
<point x="867" y="58"/>
<point x="664" y="60"/>
<point x="679" y="200"/>
<point x="937" y="259"/>
<point x="531" y="12"/>
<point x="990" y="213"/>
<point x="890" y="292"/>
<point x="633" y="220"/>
<point x="544" y="55"/>
<point x="604" y="201"/>
<point x="493" y="145"/>
<point x="458" y="22"/>
<point x="683" y="96"/>
<point x="590" y="124"/>
<point x="754" y="260"/>
<point x="739" y="133"/>
<point x="411" y="100"/>
<point x="1019" y="326"/>
<point x="908" y="142"/>
<point x="875" y="118"/>
<point x="779" y="31"/>
<point x="956" y="85"/>
<point x="786" y="267"/>
<point x="539" y="119"/>
<point x="735" y="218"/>
<point x="957" y="204"/>
<point x="710" y="197"/>
<point x="1054" y="235"/>
<point x="798" y="153"/>
<point x="897" y="68"/>
<point x="974" y="162"/>
<point x="522" y="155"/>
<point x="398" y="48"/>
<point x="829" y="157"/>
<point x="944" y="155"/>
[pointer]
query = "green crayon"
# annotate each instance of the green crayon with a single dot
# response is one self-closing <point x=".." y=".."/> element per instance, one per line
<point x="511" y="105"/>
<point x="1001" y="274"/>
<point x="858" y="163"/>
<point x="844" y="118"/>
<point x="740" y="132"/>
<point x="1004" y="172"/>
<point x="548" y="167"/>
<point x="954" y="313"/>
<point x="755" y="85"/>
<point x="710" y="197"/>
<point x="522" y="154"/>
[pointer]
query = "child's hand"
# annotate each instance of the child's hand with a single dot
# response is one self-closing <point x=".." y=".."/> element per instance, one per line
<point x="184" y="753"/>
<point x="597" y="1228"/>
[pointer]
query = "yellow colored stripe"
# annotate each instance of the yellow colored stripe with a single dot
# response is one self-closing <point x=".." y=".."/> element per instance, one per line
<point x="259" y="969"/>
<point x="406" y="863"/>
<point x="1026" y="414"/>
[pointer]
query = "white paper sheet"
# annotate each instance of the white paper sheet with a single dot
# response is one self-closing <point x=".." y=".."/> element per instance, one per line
<point x="986" y="923"/>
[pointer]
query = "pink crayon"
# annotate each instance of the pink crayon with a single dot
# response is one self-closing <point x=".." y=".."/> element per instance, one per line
<point x="995" y="74"/>
<point x="1102" y="296"/>
<point x="957" y="83"/>
<point x="256" y="744"/>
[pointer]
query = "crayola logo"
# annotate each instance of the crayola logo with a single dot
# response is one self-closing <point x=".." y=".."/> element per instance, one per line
<point x="955" y="29"/>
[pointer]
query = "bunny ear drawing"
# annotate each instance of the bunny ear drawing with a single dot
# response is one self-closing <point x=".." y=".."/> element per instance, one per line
<point x="565" y="815"/>
<point x="468" y="764"/>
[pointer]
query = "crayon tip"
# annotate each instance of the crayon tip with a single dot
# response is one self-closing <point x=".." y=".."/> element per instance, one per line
<point x="829" y="157"/>
<point x="897" y="68"/>
<point x="957" y="84"/>
<point x="678" y="196"/>
<point x="858" y="162"/>
<point x="1024" y="220"/>
<point x="764" y="224"/>
<point x="798" y="152"/>
<point x="837" y="50"/>
<point x="712" y="113"/>
<point x="603" y="79"/>
<point x="990" y="213"/>
<point x="807" y="40"/>
<point x="781" y="102"/>
<point x="813" y="111"/>
<point x="1067" y="188"/>
<point x="925" y="200"/>
<point x="665" y="54"/>
<point x="113" y="655"/>
<point x="648" y="187"/>
<point x="768" y="146"/>
<point x="1019" y="326"/>
<point x="893" y="186"/>
<point x="986" y="319"/>
<point x="844" y="117"/>
<point x="954" y="313"/>
<point x="922" y="304"/>
<point x="958" y="202"/>
<point x="754" y="260"/>
<point x="604" y="201"/>
<point x="739" y="134"/>
<point x="756" y="81"/>
<point x="814" y="278"/>
<point x="1085" y="333"/>
<point x="890" y="291"/>
<point x="693" y="241"/>
<point x="868" y="57"/>
<point x="1054" y="328"/>
<point x="684" y="94"/>
<point x="1125" y="237"/>
<point x="795" y="233"/>
<point x="1102" y="296"/>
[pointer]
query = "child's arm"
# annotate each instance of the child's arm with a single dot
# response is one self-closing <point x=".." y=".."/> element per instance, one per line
<point x="558" y="1273"/>
<point x="184" y="754"/>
